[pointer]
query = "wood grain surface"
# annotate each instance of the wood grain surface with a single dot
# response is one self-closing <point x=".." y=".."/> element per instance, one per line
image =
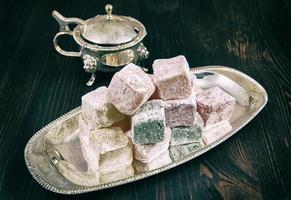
<point x="254" y="36"/>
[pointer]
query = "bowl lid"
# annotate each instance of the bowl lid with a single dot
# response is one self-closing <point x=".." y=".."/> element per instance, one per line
<point x="109" y="29"/>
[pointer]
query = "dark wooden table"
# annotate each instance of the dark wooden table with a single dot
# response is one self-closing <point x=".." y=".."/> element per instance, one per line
<point x="38" y="85"/>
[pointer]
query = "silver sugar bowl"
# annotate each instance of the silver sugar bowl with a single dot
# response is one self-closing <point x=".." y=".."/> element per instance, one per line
<point x="107" y="42"/>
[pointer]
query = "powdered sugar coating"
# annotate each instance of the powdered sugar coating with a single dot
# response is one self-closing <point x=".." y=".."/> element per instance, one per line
<point x="97" y="111"/>
<point x="114" y="147"/>
<point x="88" y="144"/>
<point x="162" y="160"/>
<point x="213" y="133"/>
<point x="187" y="134"/>
<point x="110" y="139"/>
<point x="107" y="148"/>
<point x="195" y="88"/>
<point x="90" y="152"/>
<point x="148" y="152"/>
<point x="214" y="105"/>
<point x="85" y="130"/>
<point x="180" y="112"/>
<point x="129" y="89"/>
<point x="116" y="160"/>
<point x="148" y="123"/>
<point x="172" y="78"/>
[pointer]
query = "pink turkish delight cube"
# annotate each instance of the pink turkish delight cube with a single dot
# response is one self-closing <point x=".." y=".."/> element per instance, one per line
<point x="214" y="105"/>
<point x="129" y="89"/>
<point x="180" y="112"/>
<point x="172" y="78"/>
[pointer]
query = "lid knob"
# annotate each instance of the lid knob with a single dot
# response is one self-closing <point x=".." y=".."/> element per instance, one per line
<point x="108" y="9"/>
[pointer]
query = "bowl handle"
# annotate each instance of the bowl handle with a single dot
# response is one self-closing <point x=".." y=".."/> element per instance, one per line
<point x="65" y="30"/>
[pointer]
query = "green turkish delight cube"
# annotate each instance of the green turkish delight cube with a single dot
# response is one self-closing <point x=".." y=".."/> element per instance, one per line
<point x="148" y="123"/>
<point x="185" y="135"/>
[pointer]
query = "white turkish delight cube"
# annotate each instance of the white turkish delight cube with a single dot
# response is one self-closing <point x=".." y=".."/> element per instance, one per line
<point x="90" y="152"/>
<point x="97" y="111"/>
<point x="214" y="133"/>
<point x="162" y="160"/>
<point x="115" y="149"/>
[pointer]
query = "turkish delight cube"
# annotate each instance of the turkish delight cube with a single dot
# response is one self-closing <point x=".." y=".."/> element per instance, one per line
<point x="185" y="135"/>
<point x="214" y="133"/>
<point x="85" y="129"/>
<point x="115" y="160"/>
<point x="73" y="153"/>
<point x="90" y="152"/>
<point x="148" y="123"/>
<point x="180" y="112"/>
<point x="162" y="160"/>
<point x="114" y="147"/>
<point x="148" y="152"/>
<point x="214" y="105"/>
<point x="172" y="78"/>
<point x="130" y="88"/>
<point x="97" y="111"/>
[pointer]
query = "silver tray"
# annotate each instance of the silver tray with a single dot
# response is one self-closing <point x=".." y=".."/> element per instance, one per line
<point x="251" y="97"/>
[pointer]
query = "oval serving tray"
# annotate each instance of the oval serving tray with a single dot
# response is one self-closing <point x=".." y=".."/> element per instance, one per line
<point x="251" y="97"/>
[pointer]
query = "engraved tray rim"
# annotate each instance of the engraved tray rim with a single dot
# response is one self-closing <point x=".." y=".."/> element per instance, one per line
<point x="81" y="189"/>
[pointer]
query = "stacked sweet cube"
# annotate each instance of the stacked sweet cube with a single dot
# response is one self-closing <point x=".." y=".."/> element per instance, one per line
<point x="174" y="85"/>
<point x="215" y="107"/>
<point x="106" y="149"/>
<point x="168" y="113"/>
